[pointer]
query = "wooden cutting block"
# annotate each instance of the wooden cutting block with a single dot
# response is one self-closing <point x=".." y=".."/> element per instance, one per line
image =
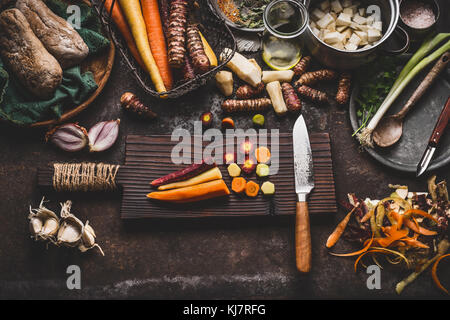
<point x="149" y="157"/>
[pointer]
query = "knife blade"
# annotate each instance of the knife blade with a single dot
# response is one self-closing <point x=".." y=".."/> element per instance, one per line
<point x="438" y="132"/>
<point x="304" y="183"/>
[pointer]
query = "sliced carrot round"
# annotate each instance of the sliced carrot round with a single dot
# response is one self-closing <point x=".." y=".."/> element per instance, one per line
<point x="238" y="184"/>
<point x="251" y="189"/>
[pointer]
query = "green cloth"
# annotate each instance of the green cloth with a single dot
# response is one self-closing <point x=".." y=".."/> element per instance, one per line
<point x="19" y="106"/>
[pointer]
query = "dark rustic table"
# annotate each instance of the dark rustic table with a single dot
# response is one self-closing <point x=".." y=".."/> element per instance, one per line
<point x="203" y="258"/>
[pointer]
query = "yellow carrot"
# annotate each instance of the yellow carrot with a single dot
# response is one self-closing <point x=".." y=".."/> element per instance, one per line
<point x="133" y="14"/>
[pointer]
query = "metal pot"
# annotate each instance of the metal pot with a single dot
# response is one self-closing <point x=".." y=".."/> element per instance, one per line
<point x="344" y="60"/>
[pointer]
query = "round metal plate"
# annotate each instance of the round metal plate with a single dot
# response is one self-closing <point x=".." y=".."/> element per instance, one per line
<point x="417" y="127"/>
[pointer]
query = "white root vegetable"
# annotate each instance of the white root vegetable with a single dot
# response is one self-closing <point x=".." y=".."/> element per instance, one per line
<point x="243" y="67"/>
<point x="276" y="95"/>
<point x="281" y="76"/>
<point x="224" y="81"/>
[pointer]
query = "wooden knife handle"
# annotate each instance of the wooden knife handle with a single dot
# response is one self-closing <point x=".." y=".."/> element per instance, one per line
<point x="440" y="125"/>
<point x="302" y="238"/>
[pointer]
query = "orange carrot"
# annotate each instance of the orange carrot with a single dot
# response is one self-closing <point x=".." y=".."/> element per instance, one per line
<point x="434" y="271"/>
<point x="337" y="233"/>
<point x="156" y="39"/>
<point x="122" y="25"/>
<point x="203" y="191"/>
<point x="251" y="189"/>
<point x="238" y="184"/>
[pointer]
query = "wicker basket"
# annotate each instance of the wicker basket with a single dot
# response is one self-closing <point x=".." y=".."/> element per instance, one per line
<point x="215" y="29"/>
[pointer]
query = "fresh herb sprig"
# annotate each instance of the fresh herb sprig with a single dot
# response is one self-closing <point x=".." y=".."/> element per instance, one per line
<point x="377" y="79"/>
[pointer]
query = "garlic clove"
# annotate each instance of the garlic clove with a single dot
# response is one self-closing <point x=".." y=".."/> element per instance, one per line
<point x="35" y="226"/>
<point x="44" y="223"/>
<point x="50" y="227"/>
<point x="71" y="229"/>
<point x="69" y="137"/>
<point x="103" y="135"/>
<point x="88" y="235"/>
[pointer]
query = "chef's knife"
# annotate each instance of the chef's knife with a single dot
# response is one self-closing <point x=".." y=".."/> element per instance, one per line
<point x="438" y="132"/>
<point x="304" y="183"/>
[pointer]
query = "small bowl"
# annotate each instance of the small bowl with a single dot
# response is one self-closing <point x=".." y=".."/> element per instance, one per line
<point x="420" y="33"/>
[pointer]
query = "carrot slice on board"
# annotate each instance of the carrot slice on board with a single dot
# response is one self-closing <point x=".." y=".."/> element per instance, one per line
<point x="238" y="184"/>
<point x="251" y="189"/>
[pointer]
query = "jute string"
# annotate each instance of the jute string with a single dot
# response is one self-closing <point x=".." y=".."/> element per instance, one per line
<point x="84" y="176"/>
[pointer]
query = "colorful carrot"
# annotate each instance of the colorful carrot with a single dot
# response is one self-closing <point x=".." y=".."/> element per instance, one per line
<point x="122" y="25"/>
<point x="156" y="40"/>
<point x="133" y="13"/>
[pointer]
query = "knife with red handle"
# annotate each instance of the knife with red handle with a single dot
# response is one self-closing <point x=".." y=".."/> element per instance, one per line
<point x="438" y="132"/>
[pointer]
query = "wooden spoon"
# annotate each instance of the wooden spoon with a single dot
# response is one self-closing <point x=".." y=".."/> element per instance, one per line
<point x="390" y="128"/>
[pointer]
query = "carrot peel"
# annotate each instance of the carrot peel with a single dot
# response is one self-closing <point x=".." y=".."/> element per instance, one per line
<point x="434" y="273"/>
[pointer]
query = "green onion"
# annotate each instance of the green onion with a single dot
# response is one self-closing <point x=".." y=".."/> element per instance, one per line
<point x="412" y="68"/>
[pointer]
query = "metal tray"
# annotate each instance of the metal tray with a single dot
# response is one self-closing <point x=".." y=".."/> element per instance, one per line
<point x="417" y="128"/>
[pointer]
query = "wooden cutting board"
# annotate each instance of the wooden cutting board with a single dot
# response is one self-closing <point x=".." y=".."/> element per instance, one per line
<point x="149" y="157"/>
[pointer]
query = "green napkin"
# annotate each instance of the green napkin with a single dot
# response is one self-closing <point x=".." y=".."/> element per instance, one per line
<point x="22" y="108"/>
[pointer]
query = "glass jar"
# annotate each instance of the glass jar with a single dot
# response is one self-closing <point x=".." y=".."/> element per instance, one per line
<point x="284" y="21"/>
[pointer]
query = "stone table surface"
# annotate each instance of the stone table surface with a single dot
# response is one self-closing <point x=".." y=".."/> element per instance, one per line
<point x="213" y="258"/>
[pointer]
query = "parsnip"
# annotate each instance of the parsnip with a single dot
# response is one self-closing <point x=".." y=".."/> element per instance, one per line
<point x="243" y="67"/>
<point x="224" y="81"/>
<point x="276" y="95"/>
<point x="281" y="76"/>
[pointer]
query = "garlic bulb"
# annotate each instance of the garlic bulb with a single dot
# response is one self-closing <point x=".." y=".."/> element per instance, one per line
<point x="88" y="240"/>
<point x="71" y="229"/>
<point x="44" y="223"/>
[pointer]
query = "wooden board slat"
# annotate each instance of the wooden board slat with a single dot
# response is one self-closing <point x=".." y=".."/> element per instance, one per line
<point x="149" y="157"/>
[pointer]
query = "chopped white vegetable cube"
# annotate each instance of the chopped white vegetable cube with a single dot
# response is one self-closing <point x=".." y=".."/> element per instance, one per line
<point x="344" y="20"/>
<point x="350" y="46"/>
<point x="377" y="25"/>
<point x="362" y="35"/>
<point x="317" y="14"/>
<point x="333" y="14"/>
<point x="339" y="45"/>
<point x="362" y="12"/>
<point x="336" y="6"/>
<point x="312" y="24"/>
<point x="324" y="5"/>
<point x="347" y="34"/>
<point x="341" y="28"/>
<point x="348" y="11"/>
<point x="332" y="26"/>
<point x="359" y="20"/>
<point x="354" y="39"/>
<point x="367" y="46"/>
<point x="325" y="21"/>
<point x="333" y="37"/>
<point x="373" y="35"/>
<point x="346" y="3"/>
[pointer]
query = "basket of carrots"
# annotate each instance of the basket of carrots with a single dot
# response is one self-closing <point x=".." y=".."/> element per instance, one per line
<point x="171" y="46"/>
